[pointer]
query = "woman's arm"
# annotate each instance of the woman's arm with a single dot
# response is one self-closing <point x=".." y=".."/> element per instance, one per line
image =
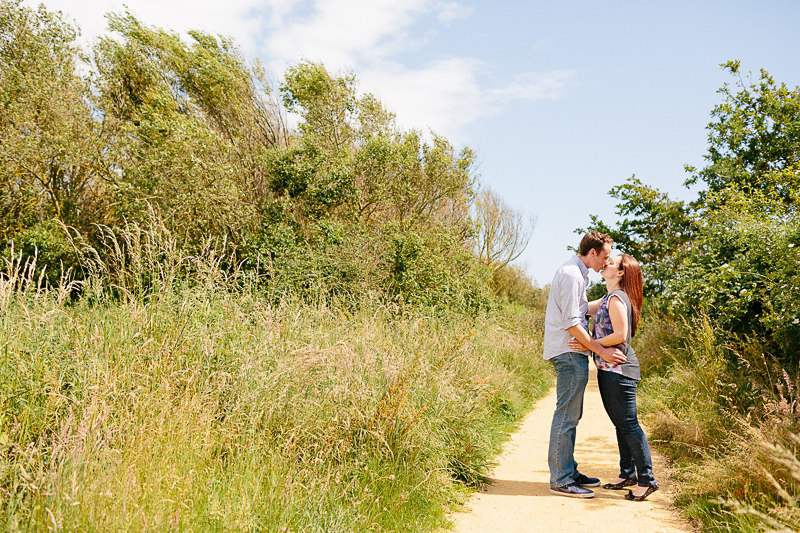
<point x="619" y="321"/>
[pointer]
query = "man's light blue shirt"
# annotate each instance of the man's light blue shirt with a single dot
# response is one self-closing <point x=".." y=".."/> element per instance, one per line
<point x="566" y="306"/>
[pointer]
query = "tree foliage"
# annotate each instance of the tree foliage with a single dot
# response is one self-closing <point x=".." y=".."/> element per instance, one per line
<point x="753" y="139"/>
<point x="653" y="228"/>
<point x="52" y="156"/>
<point x="731" y="255"/>
<point x="193" y="126"/>
<point x="192" y="137"/>
<point x="741" y="270"/>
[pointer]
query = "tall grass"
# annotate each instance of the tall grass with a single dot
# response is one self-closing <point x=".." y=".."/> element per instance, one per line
<point x="156" y="404"/>
<point x="726" y="413"/>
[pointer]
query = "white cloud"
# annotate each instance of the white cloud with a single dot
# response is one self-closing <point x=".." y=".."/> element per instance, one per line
<point x="537" y="86"/>
<point x="342" y="34"/>
<point x="278" y="10"/>
<point x="448" y="95"/>
<point x="451" y="11"/>
<point x="445" y="94"/>
<point x="232" y="18"/>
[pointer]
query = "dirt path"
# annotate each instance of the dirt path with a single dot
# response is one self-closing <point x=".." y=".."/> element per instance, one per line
<point x="519" y="500"/>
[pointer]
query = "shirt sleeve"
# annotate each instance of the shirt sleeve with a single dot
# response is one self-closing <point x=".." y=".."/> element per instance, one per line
<point x="568" y="300"/>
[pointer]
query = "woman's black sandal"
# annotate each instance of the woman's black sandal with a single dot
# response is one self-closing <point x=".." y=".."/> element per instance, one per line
<point x="620" y="485"/>
<point x="650" y="490"/>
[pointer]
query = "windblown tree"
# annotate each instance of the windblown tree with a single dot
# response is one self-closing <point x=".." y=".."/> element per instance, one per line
<point x="351" y="182"/>
<point x="351" y="155"/>
<point x="192" y="136"/>
<point x="53" y="152"/>
<point x="193" y="127"/>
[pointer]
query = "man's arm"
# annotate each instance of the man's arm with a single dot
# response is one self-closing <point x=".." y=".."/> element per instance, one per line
<point x="610" y="355"/>
<point x="569" y="293"/>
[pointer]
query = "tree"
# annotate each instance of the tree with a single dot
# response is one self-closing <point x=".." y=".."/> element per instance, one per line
<point x="754" y="136"/>
<point x="327" y="104"/>
<point x="188" y="136"/>
<point x="653" y="229"/>
<point x="52" y="152"/>
<point x="432" y="184"/>
<point x="732" y="254"/>
<point x="740" y="270"/>
<point x="193" y="129"/>
<point x="54" y="163"/>
<point x="502" y="234"/>
<point x="754" y="149"/>
<point x="351" y="161"/>
<point x="237" y="101"/>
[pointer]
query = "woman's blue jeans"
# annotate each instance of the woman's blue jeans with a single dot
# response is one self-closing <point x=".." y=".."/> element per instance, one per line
<point x="572" y="375"/>
<point x="619" y="398"/>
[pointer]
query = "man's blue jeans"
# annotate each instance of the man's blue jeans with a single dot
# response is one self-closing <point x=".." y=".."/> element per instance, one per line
<point x="619" y="398"/>
<point x="572" y="375"/>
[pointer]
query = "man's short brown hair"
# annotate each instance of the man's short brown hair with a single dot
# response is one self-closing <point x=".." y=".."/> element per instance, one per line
<point x="594" y="240"/>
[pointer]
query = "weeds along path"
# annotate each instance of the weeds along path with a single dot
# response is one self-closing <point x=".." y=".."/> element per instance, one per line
<point x="519" y="499"/>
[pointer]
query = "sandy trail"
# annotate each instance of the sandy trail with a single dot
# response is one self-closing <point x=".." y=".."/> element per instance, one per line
<point x="519" y="499"/>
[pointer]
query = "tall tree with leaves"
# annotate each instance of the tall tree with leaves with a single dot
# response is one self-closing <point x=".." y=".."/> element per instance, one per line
<point x="732" y="253"/>
<point x="52" y="150"/>
<point x="193" y="127"/>
<point x="350" y="159"/>
<point x="754" y="149"/>
<point x="754" y="139"/>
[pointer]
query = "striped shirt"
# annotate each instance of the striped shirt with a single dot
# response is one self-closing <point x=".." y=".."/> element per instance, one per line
<point x="566" y="307"/>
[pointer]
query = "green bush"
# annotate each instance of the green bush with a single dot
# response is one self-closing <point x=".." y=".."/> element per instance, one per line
<point x="725" y="412"/>
<point x="741" y="271"/>
<point x="512" y="284"/>
<point x="48" y="245"/>
<point x="432" y="270"/>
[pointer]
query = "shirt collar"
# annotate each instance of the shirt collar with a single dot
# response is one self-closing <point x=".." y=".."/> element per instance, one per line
<point x="584" y="269"/>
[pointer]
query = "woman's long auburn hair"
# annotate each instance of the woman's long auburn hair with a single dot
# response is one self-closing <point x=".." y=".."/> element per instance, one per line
<point x="631" y="283"/>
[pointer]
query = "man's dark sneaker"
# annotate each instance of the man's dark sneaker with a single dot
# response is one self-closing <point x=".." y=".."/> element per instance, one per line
<point x="573" y="490"/>
<point x="586" y="481"/>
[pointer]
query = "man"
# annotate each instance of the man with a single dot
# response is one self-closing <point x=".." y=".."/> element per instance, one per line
<point x="565" y="318"/>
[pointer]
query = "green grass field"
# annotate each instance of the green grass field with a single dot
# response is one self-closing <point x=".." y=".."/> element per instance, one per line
<point x="210" y="410"/>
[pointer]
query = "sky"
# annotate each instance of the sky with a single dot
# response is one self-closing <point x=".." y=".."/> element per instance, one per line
<point x="561" y="100"/>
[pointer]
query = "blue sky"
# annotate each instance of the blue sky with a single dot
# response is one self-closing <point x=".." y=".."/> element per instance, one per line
<point x="561" y="100"/>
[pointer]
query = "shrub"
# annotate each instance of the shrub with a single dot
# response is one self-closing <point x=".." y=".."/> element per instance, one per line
<point x="430" y="269"/>
<point x="726" y="412"/>
<point x="513" y="285"/>
<point x="742" y="272"/>
<point x="46" y="243"/>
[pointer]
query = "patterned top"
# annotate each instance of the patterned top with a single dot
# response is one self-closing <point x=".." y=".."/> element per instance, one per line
<point x="603" y="328"/>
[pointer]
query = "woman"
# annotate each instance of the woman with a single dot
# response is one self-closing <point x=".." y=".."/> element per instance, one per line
<point x="616" y="316"/>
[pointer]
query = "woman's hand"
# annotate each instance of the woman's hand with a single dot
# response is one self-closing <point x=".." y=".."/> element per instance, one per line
<point x="575" y="346"/>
